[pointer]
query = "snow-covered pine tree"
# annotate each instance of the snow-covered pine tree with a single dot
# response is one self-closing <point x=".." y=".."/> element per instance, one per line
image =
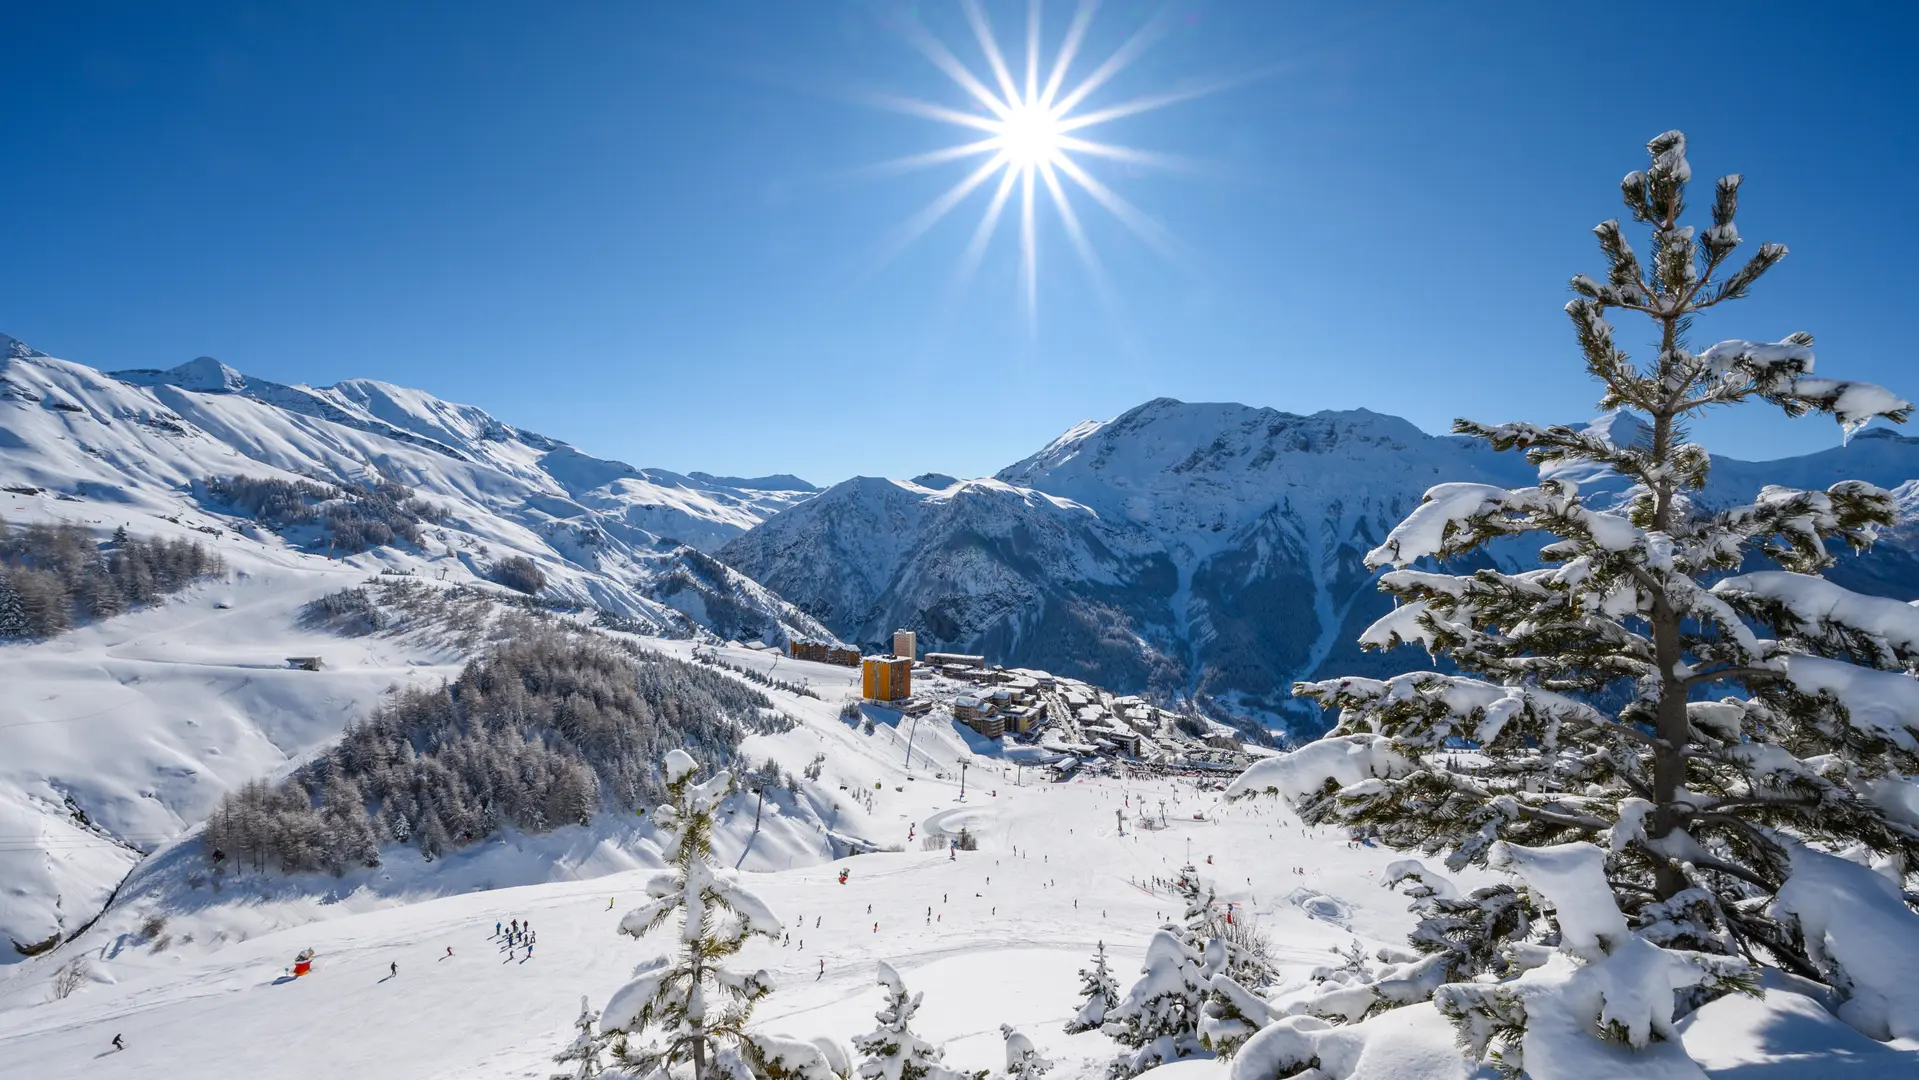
<point x="892" y="1051"/>
<point x="1621" y="702"/>
<point x="14" y="622"/>
<point x="696" y="1007"/>
<point x="582" y="1057"/>
<point x="1205" y="929"/>
<point x="1100" y="991"/>
<point x="779" y="1057"/>
<point x="1022" y="1058"/>
<point x="1158" y="1019"/>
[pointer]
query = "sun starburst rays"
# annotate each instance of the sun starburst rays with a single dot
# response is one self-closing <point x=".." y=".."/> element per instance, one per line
<point x="1033" y="129"/>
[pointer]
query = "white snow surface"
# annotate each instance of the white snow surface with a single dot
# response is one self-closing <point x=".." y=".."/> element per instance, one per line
<point x="1008" y="935"/>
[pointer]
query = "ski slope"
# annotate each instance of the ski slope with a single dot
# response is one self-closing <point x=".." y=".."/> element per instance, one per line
<point x="1009" y="925"/>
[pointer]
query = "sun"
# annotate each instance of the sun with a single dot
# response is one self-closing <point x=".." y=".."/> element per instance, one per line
<point x="1029" y="130"/>
<point x="1029" y="135"/>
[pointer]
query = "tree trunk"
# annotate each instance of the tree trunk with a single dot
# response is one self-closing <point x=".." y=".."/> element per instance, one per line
<point x="1672" y="730"/>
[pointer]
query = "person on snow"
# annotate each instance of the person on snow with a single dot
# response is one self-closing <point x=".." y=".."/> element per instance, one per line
<point x="117" y="1044"/>
<point x="393" y="970"/>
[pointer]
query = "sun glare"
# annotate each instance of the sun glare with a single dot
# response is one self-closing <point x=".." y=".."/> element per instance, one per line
<point x="1031" y="127"/>
<point x="1029" y="135"/>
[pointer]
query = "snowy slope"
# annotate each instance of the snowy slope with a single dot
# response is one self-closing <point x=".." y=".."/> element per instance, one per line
<point x="1190" y="549"/>
<point x="606" y="535"/>
<point x="994" y="936"/>
<point x="117" y="737"/>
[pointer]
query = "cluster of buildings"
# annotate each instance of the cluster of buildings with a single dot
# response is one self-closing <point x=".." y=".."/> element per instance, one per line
<point x="1014" y="701"/>
<point x="1014" y="707"/>
<point x="821" y="652"/>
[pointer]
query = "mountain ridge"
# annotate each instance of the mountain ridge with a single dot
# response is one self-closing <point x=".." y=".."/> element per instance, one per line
<point x="604" y="534"/>
<point x="1209" y="551"/>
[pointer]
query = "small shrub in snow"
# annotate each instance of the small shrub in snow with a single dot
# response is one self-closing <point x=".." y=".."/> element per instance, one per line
<point x="69" y="978"/>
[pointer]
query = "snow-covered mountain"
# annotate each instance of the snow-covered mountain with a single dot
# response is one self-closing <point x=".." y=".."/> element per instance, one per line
<point x="1193" y="549"/>
<point x="625" y="540"/>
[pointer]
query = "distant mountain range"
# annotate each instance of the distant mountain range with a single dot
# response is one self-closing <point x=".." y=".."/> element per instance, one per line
<point x="1210" y="551"/>
<point x="631" y="542"/>
<point x="1202" y="551"/>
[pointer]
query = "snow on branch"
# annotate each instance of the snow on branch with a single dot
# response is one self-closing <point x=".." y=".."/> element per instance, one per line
<point x="1426" y="708"/>
<point x="1456" y="518"/>
<point x="1781" y="372"/>
<point x="1882" y="705"/>
<point x="1344" y="760"/>
<point x="1828" y="618"/>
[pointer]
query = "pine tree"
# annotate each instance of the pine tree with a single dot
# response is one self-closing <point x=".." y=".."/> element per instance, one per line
<point x="1158" y="1019"/>
<point x="891" y="1051"/>
<point x="13" y="613"/>
<point x="1636" y="733"/>
<point x="696" y="1007"/>
<point x="1205" y="929"/>
<point x="584" y="1053"/>
<point x="1100" y="991"/>
<point x="1022" y="1058"/>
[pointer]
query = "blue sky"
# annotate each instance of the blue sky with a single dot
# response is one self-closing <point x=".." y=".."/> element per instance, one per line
<point x="644" y="228"/>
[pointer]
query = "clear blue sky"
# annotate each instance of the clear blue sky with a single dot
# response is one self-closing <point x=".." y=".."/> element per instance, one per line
<point x="641" y="227"/>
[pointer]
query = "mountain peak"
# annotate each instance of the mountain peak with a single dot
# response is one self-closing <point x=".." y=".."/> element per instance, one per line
<point x="14" y="347"/>
<point x="202" y="373"/>
<point x="775" y="482"/>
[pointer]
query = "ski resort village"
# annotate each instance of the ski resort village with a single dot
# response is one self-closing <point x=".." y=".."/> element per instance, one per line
<point x="1529" y="691"/>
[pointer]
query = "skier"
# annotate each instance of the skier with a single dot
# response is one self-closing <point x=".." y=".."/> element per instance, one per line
<point x="393" y="969"/>
<point x="117" y="1044"/>
<point x="822" y="973"/>
<point x="449" y="951"/>
<point x="496" y="928"/>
